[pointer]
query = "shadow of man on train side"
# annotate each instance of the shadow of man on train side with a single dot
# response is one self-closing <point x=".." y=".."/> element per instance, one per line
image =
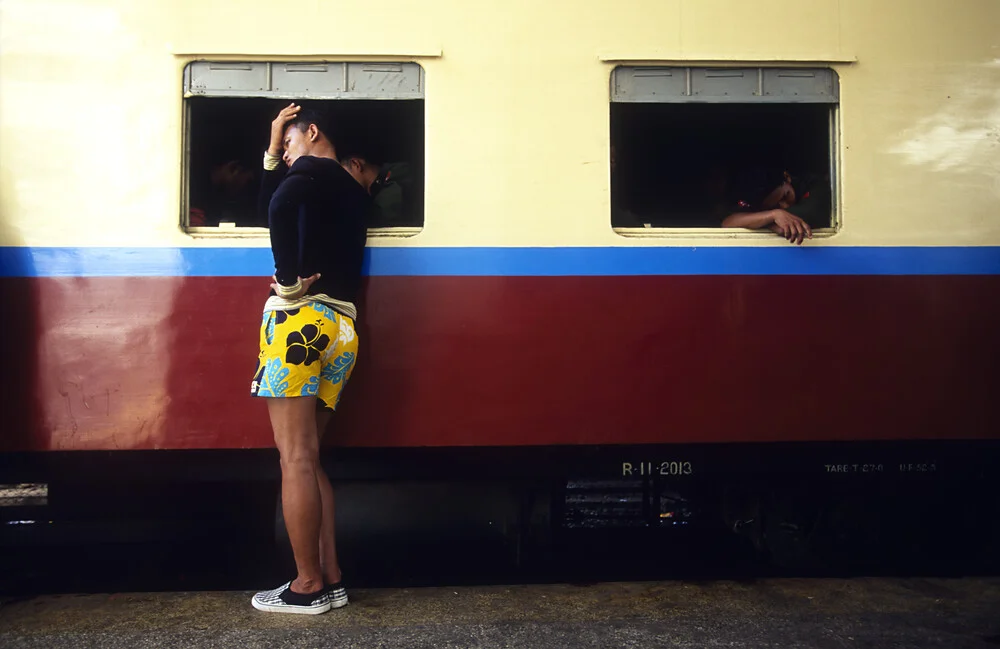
<point x="361" y="394"/>
<point x="20" y="293"/>
<point x="381" y="406"/>
<point x="384" y="517"/>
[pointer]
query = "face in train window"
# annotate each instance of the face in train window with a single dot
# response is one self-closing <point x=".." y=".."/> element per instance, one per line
<point x="691" y="148"/>
<point x="371" y="129"/>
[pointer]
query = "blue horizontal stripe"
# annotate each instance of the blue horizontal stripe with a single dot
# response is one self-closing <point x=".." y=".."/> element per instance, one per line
<point x="237" y="262"/>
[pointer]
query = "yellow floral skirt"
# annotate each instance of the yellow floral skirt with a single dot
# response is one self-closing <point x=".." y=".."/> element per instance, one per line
<point x="307" y="352"/>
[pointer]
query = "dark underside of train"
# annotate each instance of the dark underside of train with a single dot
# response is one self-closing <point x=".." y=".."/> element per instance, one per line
<point x="174" y="519"/>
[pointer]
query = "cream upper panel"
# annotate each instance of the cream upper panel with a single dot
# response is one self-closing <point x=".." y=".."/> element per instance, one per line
<point x="517" y="109"/>
<point x="921" y="120"/>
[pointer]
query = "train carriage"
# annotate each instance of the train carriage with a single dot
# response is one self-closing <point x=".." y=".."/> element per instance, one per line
<point x="553" y="312"/>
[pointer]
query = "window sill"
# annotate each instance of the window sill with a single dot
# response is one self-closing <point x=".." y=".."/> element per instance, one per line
<point x="394" y="233"/>
<point x="711" y="233"/>
<point x="226" y="232"/>
<point x="236" y="232"/>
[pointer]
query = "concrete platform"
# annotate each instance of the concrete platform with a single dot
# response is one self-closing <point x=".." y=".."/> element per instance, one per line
<point x="820" y="613"/>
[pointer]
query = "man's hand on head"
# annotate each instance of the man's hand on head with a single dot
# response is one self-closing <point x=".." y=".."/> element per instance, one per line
<point x="285" y="115"/>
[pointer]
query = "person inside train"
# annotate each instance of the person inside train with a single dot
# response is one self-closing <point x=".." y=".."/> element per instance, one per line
<point x="768" y="199"/>
<point x="226" y="197"/>
<point x="317" y="215"/>
<point x="391" y="185"/>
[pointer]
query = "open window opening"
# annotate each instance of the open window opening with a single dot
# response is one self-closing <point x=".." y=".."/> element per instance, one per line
<point x="690" y="147"/>
<point x="377" y="116"/>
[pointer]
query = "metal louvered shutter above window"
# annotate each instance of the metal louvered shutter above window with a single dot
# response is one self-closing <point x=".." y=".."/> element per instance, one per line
<point x="666" y="84"/>
<point x="313" y="80"/>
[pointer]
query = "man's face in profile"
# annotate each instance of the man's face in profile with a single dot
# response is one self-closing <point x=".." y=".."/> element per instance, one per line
<point x="297" y="143"/>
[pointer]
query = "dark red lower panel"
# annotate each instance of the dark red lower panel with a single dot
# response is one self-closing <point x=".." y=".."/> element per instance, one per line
<point x="142" y="363"/>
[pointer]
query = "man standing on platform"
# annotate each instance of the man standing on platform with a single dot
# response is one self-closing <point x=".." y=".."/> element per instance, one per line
<point x="316" y="213"/>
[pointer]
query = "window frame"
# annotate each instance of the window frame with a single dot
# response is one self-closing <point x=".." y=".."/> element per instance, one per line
<point x="760" y="96"/>
<point x="346" y="92"/>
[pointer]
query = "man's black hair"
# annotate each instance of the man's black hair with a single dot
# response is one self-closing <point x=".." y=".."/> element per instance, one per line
<point x="356" y="152"/>
<point x="754" y="184"/>
<point x="315" y="116"/>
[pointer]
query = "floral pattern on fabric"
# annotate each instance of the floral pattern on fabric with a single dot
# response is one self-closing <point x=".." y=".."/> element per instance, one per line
<point x="346" y="332"/>
<point x="327" y="311"/>
<point x="306" y="345"/>
<point x="307" y="352"/>
<point x="269" y="319"/>
<point x="281" y="316"/>
<point x="334" y="372"/>
<point x="273" y="382"/>
<point x="311" y="388"/>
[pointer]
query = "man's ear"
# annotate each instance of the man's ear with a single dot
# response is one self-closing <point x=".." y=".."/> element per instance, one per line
<point x="313" y="133"/>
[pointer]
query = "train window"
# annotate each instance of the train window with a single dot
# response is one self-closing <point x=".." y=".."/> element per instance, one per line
<point x="689" y="146"/>
<point x="377" y="111"/>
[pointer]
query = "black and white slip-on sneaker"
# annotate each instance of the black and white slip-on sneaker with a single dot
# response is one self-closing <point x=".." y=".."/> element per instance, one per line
<point x="336" y="595"/>
<point x="284" y="600"/>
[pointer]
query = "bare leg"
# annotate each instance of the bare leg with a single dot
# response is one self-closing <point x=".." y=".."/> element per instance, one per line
<point x="294" y="422"/>
<point x="327" y="535"/>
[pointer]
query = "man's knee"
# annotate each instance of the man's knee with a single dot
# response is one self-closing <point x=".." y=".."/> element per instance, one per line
<point x="300" y="454"/>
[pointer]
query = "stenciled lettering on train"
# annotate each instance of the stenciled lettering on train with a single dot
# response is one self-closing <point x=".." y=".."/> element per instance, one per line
<point x="855" y="467"/>
<point x="662" y="468"/>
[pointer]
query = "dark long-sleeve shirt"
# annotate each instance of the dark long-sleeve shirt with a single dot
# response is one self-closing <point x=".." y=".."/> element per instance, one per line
<point x="317" y="217"/>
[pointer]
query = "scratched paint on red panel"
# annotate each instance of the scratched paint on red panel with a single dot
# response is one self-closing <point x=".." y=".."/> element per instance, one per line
<point x="512" y="361"/>
<point x="104" y="354"/>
